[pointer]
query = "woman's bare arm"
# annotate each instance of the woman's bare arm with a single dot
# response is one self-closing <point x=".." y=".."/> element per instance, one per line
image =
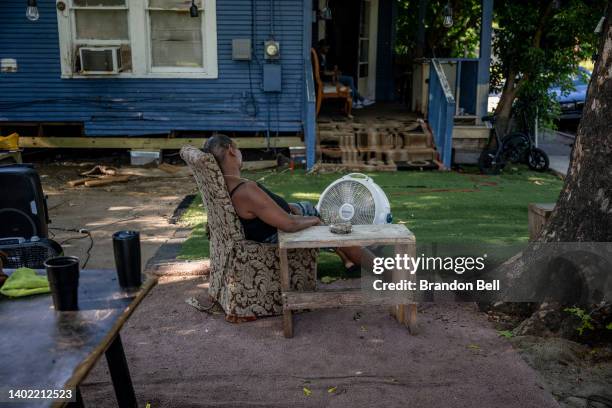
<point x="251" y="201"/>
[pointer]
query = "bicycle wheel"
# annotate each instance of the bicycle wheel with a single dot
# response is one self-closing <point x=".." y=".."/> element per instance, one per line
<point x="487" y="162"/>
<point x="515" y="147"/>
<point x="538" y="160"/>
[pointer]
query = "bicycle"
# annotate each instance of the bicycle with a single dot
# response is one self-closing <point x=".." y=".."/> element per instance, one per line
<point x="517" y="147"/>
<point x="522" y="149"/>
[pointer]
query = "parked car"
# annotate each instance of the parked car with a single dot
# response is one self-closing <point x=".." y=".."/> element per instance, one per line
<point x="572" y="102"/>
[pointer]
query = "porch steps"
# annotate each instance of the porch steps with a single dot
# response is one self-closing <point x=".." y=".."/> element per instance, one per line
<point x="377" y="144"/>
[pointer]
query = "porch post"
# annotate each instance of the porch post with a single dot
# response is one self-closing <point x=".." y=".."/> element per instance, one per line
<point x="309" y="123"/>
<point x="484" y="62"/>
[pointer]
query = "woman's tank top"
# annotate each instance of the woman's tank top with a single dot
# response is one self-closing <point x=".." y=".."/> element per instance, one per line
<point x="255" y="229"/>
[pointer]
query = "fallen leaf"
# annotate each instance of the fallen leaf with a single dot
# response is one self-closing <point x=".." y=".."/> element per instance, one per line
<point x="307" y="391"/>
<point x="363" y="328"/>
<point x="331" y="390"/>
<point x="474" y="346"/>
<point x="329" y="279"/>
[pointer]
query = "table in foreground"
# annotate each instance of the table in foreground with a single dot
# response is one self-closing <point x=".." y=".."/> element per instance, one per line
<point x="47" y="350"/>
<point x="320" y="237"/>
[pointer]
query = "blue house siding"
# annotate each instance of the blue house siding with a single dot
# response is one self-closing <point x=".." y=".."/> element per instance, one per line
<point x="130" y="107"/>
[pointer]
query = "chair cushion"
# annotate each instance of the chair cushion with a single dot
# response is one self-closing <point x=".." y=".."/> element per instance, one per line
<point x="329" y="88"/>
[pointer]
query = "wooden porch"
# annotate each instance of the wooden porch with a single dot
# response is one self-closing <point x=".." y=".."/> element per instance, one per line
<point x="448" y="95"/>
<point x="382" y="137"/>
<point x="387" y="137"/>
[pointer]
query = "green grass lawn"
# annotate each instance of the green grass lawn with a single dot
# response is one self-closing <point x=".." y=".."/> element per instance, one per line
<point x="442" y="207"/>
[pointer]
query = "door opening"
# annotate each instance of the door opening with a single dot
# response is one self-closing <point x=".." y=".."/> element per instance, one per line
<point x="352" y="34"/>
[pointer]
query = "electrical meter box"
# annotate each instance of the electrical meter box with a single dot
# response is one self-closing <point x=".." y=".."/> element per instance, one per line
<point x="241" y="49"/>
<point x="272" y="78"/>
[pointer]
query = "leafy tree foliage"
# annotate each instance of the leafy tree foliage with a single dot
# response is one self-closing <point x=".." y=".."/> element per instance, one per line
<point x="462" y="39"/>
<point x="538" y="44"/>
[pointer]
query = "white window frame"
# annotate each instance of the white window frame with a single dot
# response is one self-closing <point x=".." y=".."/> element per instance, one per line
<point x="140" y="43"/>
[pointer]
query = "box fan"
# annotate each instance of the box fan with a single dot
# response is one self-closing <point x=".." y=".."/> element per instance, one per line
<point x="354" y="198"/>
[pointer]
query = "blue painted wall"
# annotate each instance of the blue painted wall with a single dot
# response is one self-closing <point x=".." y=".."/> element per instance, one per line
<point x="129" y="107"/>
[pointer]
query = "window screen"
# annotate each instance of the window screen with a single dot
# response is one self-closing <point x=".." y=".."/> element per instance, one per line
<point x="101" y="24"/>
<point x="176" y="38"/>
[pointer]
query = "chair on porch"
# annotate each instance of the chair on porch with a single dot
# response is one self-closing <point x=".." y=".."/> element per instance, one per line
<point x="244" y="275"/>
<point x="327" y="90"/>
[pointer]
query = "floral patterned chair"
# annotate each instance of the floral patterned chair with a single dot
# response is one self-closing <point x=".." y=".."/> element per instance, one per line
<point x="244" y="275"/>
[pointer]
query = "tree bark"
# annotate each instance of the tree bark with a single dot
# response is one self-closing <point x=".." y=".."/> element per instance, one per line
<point x="503" y="111"/>
<point x="584" y="208"/>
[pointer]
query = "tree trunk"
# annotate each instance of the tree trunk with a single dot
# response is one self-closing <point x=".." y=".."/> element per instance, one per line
<point x="503" y="111"/>
<point x="584" y="208"/>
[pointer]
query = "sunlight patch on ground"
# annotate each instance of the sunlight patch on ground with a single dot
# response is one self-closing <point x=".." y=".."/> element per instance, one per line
<point x="306" y="196"/>
<point x="120" y="208"/>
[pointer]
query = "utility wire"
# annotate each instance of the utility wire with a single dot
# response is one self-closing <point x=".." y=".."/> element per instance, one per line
<point x="80" y="231"/>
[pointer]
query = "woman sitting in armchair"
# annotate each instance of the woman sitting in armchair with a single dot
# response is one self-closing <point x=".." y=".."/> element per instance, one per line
<point x="261" y="212"/>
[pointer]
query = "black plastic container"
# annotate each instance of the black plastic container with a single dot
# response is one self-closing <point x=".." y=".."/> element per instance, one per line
<point x="126" y="246"/>
<point x="63" y="275"/>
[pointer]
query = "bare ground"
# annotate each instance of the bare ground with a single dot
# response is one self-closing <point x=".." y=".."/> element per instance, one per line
<point x="180" y="357"/>
<point x="144" y="204"/>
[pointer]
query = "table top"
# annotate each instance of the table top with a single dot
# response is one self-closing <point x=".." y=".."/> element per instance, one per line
<point x="362" y="235"/>
<point x="44" y="349"/>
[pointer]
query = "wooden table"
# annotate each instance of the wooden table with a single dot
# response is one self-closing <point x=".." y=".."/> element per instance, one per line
<point x="44" y="349"/>
<point x="320" y="237"/>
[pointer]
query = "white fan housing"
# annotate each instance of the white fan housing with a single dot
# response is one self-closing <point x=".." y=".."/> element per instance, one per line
<point x="354" y="198"/>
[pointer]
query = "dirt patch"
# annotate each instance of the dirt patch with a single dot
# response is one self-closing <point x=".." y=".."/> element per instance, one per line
<point x="145" y="204"/>
<point x="180" y="357"/>
<point x="578" y="376"/>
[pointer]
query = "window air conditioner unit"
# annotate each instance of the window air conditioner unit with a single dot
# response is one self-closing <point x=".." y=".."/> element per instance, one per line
<point x="100" y="60"/>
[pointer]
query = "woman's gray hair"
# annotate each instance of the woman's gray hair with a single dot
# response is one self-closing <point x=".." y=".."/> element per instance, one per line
<point x="218" y="145"/>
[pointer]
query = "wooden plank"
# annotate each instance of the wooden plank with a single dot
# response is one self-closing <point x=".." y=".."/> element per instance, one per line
<point x="362" y="235"/>
<point x="327" y="299"/>
<point x="470" y="132"/>
<point x="106" y="180"/>
<point x="152" y="143"/>
<point x="74" y="183"/>
<point x="259" y="164"/>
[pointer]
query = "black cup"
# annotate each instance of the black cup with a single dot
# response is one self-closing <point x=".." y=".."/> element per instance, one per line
<point x="63" y="276"/>
<point x="126" y="245"/>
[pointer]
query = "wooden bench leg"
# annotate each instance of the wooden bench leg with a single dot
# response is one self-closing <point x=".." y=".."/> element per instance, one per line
<point x="412" y="319"/>
<point x="285" y="287"/>
<point x="406" y="314"/>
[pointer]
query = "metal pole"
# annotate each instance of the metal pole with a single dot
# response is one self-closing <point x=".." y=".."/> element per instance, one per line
<point x="536" y="128"/>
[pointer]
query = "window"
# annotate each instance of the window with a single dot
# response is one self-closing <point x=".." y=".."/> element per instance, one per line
<point x="176" y="41"/>
<point x="138" y="38"/>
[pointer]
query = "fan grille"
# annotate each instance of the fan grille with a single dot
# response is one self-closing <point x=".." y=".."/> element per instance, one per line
<point x="348" y="192"/>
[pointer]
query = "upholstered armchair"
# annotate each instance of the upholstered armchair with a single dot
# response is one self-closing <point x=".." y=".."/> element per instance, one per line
<point x="244" y="275"/>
